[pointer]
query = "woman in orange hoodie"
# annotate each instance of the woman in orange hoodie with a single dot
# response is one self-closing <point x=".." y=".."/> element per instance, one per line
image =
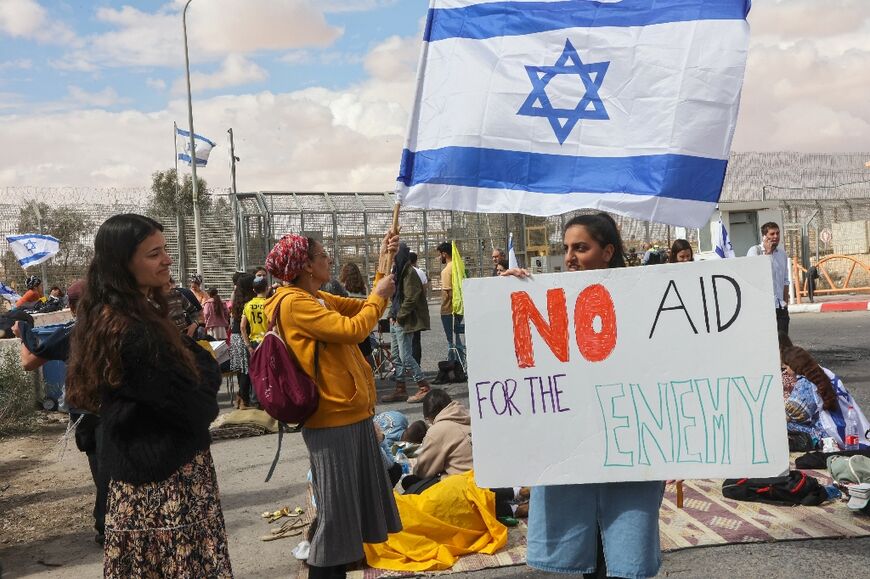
<point x="355" y="503"/>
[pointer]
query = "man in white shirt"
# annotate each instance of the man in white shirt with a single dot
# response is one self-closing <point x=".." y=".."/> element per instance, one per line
<point x="770" y="245"/>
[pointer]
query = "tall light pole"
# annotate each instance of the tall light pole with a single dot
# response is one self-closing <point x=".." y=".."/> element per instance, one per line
<point x="196" y="224"/>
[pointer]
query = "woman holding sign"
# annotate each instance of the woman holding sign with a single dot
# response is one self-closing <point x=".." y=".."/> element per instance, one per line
<point x="601" y="529"/>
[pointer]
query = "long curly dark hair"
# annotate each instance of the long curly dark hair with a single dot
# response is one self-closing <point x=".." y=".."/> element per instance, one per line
<point x="805" y="365"/>
<point x="351" y="278"/>
<point x="111" y="305"/>
<point x="243" y="294"/>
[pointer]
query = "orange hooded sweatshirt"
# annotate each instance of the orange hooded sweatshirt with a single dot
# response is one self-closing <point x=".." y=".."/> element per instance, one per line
<point x="344" y="378"/>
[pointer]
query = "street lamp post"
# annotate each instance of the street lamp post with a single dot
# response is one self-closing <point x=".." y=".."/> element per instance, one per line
<point x="196" y="223"/>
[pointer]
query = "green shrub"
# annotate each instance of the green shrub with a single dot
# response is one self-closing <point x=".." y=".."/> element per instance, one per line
<point x="17" y="396"/>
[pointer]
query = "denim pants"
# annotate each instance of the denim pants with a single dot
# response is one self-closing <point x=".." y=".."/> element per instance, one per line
<point x="453" y="329"/>
<point x="402" y="349"/>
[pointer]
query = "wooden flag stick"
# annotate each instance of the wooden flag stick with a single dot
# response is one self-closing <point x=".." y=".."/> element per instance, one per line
<point x="387" y="266"/>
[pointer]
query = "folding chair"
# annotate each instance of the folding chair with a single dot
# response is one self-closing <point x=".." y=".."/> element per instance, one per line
<point x="381" y="353"/>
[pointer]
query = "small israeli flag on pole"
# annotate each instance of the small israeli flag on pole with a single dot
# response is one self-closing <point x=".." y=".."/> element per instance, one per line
<point x="723" y="245"/>
<point x="512" y="255"/>
<point x="33" y="248"/>
<point x="8" y="294"/>
<point x="203" y="147"/>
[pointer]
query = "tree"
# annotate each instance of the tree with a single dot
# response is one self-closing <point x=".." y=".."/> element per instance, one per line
<point x="166" y="202"/>
<point x="71" y="226"/>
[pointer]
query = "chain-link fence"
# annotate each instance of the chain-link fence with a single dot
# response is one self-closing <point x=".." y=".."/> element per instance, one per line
<point x="351" y="225"/>
<point x="73" y="215"/>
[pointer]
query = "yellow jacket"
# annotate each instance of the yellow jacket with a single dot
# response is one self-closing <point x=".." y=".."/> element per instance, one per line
<point x="344" y="378"/>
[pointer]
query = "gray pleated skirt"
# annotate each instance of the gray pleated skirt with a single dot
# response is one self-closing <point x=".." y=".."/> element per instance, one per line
<point x="355" y="502"/>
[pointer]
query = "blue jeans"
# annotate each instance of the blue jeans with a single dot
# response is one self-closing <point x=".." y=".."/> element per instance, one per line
<point x="453" y="328"/>
<point x="402" y="349"/>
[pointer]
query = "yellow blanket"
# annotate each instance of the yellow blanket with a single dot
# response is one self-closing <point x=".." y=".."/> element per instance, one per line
<point x="452" y="518"/>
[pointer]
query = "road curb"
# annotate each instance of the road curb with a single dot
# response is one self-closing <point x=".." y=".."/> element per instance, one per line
<point x="860" y="306"/>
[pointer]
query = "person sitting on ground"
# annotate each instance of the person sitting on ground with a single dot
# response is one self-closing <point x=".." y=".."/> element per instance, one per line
<point x="415" y="433"/>
<point x="812" y="393"/>
<point x="390" y="427"/>
<point x="447" y="445"/>
<point x="681" y="252"/>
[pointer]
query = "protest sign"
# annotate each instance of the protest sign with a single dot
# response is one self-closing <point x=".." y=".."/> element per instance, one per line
<point x="650" y="373"/>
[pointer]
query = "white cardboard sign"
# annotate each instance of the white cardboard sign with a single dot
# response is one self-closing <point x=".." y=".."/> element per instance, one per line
<point x="645" y="373"/>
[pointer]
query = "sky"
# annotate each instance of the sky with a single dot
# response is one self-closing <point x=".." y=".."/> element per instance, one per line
<point x="318" y="92"/>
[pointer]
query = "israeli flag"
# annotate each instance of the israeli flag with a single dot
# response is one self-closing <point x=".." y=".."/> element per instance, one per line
<point x="203" y="147"/>
<point x="547" y="106"/>
<point x="33" y="248"/>
<point x="8" y="294"/>
<point x="512" y="255"/>
<point x="723" y="246"/>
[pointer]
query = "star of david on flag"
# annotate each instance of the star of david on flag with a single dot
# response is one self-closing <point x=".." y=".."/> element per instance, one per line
<point x="546" y="107"/>
<point x="590" y="106"/>
<point x="202" y="145"/>
<point x="33" y="248"/>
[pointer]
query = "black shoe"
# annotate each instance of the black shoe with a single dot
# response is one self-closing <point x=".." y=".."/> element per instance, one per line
<point x="100" y="539"/>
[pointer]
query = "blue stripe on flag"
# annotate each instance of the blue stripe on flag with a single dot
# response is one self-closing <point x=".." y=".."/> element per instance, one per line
<point x="673" y="176"/>
<point x="184" y="133"/>
<point x="489" y="20"/>
<point x="11" y="238"/>
<point x="32" y="258"/>
<point x="186" y="158"/>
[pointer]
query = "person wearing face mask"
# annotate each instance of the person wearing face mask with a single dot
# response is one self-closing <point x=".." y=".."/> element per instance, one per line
<point x="355" y="503"/>
<point x="598" y="529"/>
<point x="771" y="245"/>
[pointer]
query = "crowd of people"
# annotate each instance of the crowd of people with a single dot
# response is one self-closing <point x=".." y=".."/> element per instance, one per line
<point x="144" y="393"/>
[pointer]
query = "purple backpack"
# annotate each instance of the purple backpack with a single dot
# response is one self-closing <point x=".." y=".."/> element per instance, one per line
<point x="283" y="389"/>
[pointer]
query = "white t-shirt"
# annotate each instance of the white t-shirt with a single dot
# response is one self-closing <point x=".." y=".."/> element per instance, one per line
<point x="422" y="274"/>
<point x="779" y="261"/>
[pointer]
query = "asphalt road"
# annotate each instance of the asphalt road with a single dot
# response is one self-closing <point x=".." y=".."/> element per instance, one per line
<point x="840" y="340"/>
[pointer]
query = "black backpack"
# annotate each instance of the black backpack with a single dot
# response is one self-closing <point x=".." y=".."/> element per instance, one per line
<point x="794" y="489"/>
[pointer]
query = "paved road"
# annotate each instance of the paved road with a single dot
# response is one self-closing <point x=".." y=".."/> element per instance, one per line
<point x="842" y="342"/>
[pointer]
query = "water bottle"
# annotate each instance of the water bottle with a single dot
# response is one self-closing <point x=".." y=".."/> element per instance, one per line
<point x="851" y="438"/>
<point x="403" y="461"/>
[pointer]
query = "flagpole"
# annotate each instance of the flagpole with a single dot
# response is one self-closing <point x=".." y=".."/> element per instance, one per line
<point x="196" y="222"/>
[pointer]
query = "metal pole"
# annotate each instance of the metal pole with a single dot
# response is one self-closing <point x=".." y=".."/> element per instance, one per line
<point x="232" y="160"/>
<point x="179" y="221"/>
<point x="196" y="222"/>
<point x="42" y="269"/>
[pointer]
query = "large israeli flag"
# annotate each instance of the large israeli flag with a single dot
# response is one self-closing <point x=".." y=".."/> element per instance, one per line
<point x="547" y="106"/>
<point x="203" y="147"/>
<point x="32" y="248"/>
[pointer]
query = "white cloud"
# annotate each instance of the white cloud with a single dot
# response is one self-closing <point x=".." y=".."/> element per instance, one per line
<point x="305" y="140"/>
<point x="18" y="64"/>
<point x="103" y="99"/>
<point x="157" y="84"/>
<point x="806" y="77"/>
<point x="234" y="71"/>
<point x="354" y="5"/>
<point x="28" y="19"/>
<point x="216" y="29"/>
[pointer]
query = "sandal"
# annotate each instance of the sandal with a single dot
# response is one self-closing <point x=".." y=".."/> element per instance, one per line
<point x="288" y="529"/>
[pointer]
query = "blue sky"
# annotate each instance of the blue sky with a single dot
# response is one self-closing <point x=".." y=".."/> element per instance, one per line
<point x="318" y="93"/>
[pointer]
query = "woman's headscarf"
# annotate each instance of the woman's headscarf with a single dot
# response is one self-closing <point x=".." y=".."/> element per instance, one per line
<point x="287" y="258"/>
<point x="403" y="258"/>
<point x="32" y="281"/>
<point x="197" y="279"/>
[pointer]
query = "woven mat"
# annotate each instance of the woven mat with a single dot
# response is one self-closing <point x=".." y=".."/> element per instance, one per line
<point x="706" y="519"/>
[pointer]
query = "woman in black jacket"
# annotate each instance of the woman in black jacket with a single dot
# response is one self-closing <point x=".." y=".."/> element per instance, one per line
<point x="156" y="393"/>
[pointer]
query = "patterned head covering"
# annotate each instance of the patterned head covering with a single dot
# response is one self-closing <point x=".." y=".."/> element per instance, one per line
<point x="32" y="281"/>
<point x="197" y="279"/>
<point x="287" y="258"/>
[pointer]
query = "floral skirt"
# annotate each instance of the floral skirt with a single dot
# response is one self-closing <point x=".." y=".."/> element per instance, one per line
<point x="172" y="528"/>
<point x="238" y="354"/>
